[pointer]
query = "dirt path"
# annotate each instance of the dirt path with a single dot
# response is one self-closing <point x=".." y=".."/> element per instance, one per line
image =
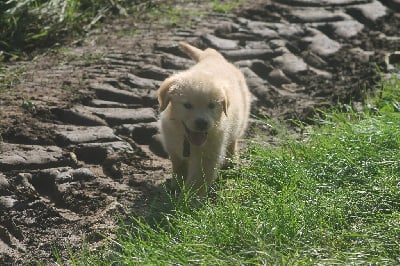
<point x="79" y="125"/>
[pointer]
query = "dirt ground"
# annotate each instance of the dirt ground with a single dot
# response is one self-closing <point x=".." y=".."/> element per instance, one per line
<point x="79" y="123"/>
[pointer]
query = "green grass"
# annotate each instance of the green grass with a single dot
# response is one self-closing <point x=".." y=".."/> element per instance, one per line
<point x="28" y="25"/>
<point x="333" y="198"/>
<point x="225" y="6"/>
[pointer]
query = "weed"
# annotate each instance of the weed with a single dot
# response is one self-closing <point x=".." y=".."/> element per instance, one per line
<point x="225" y="6"/>
<point x="9" y="78"/>
<point x="29" y="24"/>
<point x="28" y="106"/>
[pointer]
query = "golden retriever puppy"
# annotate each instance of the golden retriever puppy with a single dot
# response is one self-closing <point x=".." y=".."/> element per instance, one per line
<point x="204" y="110"/>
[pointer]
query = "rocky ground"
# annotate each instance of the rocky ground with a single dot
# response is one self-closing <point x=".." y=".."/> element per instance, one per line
<point x="78" y="125"/>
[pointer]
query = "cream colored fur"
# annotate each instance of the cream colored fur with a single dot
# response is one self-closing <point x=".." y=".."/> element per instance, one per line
<point x="208" y="105"/>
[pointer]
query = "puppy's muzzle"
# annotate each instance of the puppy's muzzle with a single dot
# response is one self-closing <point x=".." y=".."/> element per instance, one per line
<point x="201" y="124"/>
<point x="198" y="137"/>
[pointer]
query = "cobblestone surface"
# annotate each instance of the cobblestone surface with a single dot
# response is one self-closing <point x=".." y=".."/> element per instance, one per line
<point x="89" y="149"/>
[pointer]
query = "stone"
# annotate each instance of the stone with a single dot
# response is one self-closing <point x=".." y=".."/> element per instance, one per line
<point x="362" y="55"/>
<point x="138" y="82"/>
<point x="226" y="28"/>
<point x="110" y="104"/>
<point x="262" y="29"/>
<point x="118" y="116"/>
<point x="289" y="30"/>
<point x="7" y="202"/>
<point x="346" y="29"/>
<point x="247" y="54"/>
<point x="323" y="2"/>
<point x="78" y="115"/>
<point x="314" y="60"/>
<point x="68" y="134"/>
<point x="321" y="44"/>
<point x="261" y="68"/>
<point x="175" y="62"/>
<point x="310" y="15"/>
<point x="110" y="93"/>
<point x="370" y="12"/>
<point x="62" y="175"/>
<point x="219" y="43"/>
<point x="98" y="152"/>
<point x="8" y="241"/>
<point x="169" y="48"/>
<point x="322" y="73"/>
<point x="277" y="77"/>
<point x="23" y="179"/>
<point x="257" y="45"/>
<point x="141" y="133"/>
<point x="156" y="146"/>
<point x="290" y="63"/>
<point x="18" y="156"/>
<point x="150" y="71"/>
<point x="4" y="184"/>
<point x="258" y="86"/>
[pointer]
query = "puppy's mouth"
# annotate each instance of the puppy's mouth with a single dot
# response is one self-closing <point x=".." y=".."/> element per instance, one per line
<point x="197" y="138"/>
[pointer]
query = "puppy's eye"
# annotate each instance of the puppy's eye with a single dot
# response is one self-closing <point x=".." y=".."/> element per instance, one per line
<point x="211" y="105"/>
<point x="188" y="105"/>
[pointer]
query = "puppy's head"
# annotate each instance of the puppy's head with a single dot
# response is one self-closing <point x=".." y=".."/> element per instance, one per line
<point x="197" y="104"/>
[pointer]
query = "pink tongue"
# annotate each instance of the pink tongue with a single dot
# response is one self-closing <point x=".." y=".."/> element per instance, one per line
<point x="197" y="138"/>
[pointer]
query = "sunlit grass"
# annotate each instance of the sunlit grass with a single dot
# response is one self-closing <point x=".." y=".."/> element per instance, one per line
<point x="333" y="198"/>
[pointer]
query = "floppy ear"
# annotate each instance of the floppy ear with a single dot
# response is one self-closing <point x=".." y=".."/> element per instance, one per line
<point x="225" y="105"/>
<point x="164" y="93"/>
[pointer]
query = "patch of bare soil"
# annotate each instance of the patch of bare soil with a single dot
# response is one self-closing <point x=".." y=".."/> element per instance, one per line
<point x="79" y="130"/>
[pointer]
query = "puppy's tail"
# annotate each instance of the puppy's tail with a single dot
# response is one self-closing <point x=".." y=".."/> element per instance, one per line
<point x="195" y="53"/>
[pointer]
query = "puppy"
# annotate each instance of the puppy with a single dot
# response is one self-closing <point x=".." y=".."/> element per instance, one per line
<point x="204" y="110"/>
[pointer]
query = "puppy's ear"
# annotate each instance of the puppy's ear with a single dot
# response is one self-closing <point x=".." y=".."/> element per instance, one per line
<point x="164" y="93"/>
<point x="193" y="52"/>
<point x="225" y="105"/>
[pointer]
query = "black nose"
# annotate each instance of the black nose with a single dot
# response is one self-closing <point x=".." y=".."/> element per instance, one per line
<point x="201" y="124"/>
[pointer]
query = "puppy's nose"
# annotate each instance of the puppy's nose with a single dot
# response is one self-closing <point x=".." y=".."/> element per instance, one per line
<point x="201" y="124"/>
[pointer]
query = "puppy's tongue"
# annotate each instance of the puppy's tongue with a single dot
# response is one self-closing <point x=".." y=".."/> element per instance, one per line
<point x="197" y="138"/>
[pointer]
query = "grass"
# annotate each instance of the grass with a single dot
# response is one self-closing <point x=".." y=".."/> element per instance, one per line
<point x="333" y="198"/>
<point x="10" y="77"/>
<point x="31" y="24"/>
<point x="27" y="25"/>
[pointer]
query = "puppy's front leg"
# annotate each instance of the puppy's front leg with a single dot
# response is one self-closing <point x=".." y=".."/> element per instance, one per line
<point x="202" y="172"/>
<point x="179" y="168"/>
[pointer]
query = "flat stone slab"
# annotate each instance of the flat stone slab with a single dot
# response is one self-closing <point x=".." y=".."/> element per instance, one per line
<point x="4" y="184"/>
<point x="262" y="29"/>
<point x="290" y="63"/>
<point x="258" y="86"/>
<point x="63" y="175"/>
<point x="220" y="43"/>
<point x="323" y="2"/>
<point x="110" y="104"/>
<point x="98" y="152"/>
<point x="78" y="115"/>
<point x="371" y="11"/>
<point x="143" y="83"/>
<point x="174" y="62"/>
<point x="321" y="44"/>
<point x="150" y="71"/>
<point x="247" y="54"/>
<point x="347" y="28"/>
<point x="308" y="15"/>
<point x="18" y="156"/>
<point x="108" y="92"/>
<point x="119" y="116"/>
<point x="68" y="134"/>
<point x="141" y="133"/>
